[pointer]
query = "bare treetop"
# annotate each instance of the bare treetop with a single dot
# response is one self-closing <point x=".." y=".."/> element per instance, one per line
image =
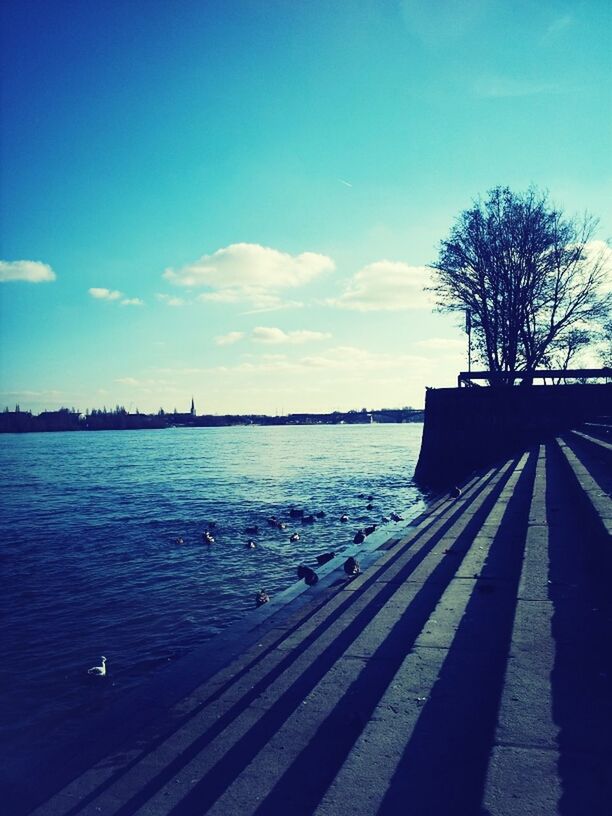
<point x="530" y="278"/>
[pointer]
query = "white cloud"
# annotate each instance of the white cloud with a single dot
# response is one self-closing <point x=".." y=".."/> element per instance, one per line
<point x="100" y="293"/>
<point x="132" y="302"/>
<point x="30" y="271"/>
<point x="387" y="286"/>
<point x="170" y="300"/>
<point x="229" y="338"/>
<point x="267" y="334"/>
<point x="249" y="272"/>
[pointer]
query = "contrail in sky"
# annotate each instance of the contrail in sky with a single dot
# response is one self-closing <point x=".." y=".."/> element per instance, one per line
<point x="346" y="183"/>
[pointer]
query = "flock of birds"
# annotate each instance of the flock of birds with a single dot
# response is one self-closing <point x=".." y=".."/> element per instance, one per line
<point x="304" y="572"/>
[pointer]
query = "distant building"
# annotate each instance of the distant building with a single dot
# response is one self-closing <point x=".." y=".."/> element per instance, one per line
<point x="193" y="410"/>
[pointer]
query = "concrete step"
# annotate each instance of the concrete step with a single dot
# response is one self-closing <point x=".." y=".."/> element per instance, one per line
<point x="230" y="720"/>
<point x="590" y="493"/>
<point x="426" y="746"/>
<point x="553" y="750"/>
<point x="598" y="448"/>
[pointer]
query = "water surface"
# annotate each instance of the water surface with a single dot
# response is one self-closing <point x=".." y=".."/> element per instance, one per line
<point x="90" y="563"/>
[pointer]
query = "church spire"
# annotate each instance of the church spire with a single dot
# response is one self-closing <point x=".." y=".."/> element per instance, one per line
<point x="192" y="411"/>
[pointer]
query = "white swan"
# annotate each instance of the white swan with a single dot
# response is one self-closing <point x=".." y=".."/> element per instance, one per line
<point x="99" y="670"/>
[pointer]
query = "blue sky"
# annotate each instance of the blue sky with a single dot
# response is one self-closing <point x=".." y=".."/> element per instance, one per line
<point x="238" y="200"/>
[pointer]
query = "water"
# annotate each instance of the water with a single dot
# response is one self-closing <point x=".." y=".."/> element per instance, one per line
<point x="90" y="562"/>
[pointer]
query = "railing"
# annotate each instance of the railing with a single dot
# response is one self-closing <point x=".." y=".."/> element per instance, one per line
<point x="469" y="377"/>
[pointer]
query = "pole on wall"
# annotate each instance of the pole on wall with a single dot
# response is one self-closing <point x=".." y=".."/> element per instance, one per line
<point x="468" y="330"/>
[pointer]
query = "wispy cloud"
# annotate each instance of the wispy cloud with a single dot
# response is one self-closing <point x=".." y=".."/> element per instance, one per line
<point x="556" y="28"/>
<point x="273" y="336"/>
<point x="132" y="302"/>
<point x="170" y="300"/>
<point x="499" y="87"/>
<point x="249" y="273"/>
<point x="268" y="334"/>
<point x="29" y="271"/>
<point x="386" y="286"/>
<point x="442" y="344"/>
<point x="229" y="339"/>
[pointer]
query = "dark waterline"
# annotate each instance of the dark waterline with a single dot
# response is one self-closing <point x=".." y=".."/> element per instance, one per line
<point x="90" y="563"/>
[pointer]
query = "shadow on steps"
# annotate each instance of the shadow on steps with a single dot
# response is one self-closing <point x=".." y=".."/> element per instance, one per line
<point x="581" y="680"/>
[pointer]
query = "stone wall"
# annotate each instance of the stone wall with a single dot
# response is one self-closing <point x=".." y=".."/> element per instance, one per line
<point x="471" y="428"/>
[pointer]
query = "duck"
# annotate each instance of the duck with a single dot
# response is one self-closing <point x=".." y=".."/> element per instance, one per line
<point x="344" y="517"/>
<point x="396" y="517"/>
<point x="359" y="537"/>
<point x="308" y="519"/>
<point x="99" y="671"/>
<point x="207" y="537"/>
<point x="308" y="574"/>
<point x="250" y="545"/>
<point x="325" y="557"/>
<point x="261" y="598"/>
<point x="320" y="514"/>
<point x="179" y="540"/>
<point x="351" y="566"/>
<point x="369" y="506"/>
<point x="281" y="525"/>
<point x="294" y="537"/>
<point x="369" y="529"/>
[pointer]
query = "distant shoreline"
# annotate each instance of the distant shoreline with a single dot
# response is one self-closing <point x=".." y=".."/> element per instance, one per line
<point x="120" y="420"/>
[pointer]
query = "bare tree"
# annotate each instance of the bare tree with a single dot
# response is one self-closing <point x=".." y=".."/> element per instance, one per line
<point x="529" y="277"/>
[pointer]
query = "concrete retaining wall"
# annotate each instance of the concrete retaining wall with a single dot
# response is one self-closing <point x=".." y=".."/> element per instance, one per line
<point x="470" y="428"/>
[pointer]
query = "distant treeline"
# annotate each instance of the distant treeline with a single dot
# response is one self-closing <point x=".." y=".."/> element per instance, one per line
<point x="118" y="419"/>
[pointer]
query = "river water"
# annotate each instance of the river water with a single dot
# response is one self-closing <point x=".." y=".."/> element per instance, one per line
<point x="89" y="558"/>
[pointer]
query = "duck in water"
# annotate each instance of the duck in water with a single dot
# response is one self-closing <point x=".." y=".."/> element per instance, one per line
<point x="261" y="598"/>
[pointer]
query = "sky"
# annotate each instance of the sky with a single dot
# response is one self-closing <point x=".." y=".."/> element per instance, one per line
<point x="237" y="200"/>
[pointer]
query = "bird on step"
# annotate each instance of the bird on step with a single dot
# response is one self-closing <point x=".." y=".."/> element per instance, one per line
<point x="100" y="671"/>
<point x="325" y="557"/>
<point x="359" y="537"/>
<point x="351" y="566"/>
<point x="308" y="574"/>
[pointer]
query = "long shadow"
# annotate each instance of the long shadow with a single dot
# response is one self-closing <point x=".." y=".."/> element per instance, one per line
<point x="59" y="770"/>
<point x="581" y="679"/>
<point x="321" y="759"/>
<point x="444" y="765"/>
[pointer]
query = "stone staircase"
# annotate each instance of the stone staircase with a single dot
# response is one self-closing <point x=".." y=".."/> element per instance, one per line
<point x="466" y="671"/>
